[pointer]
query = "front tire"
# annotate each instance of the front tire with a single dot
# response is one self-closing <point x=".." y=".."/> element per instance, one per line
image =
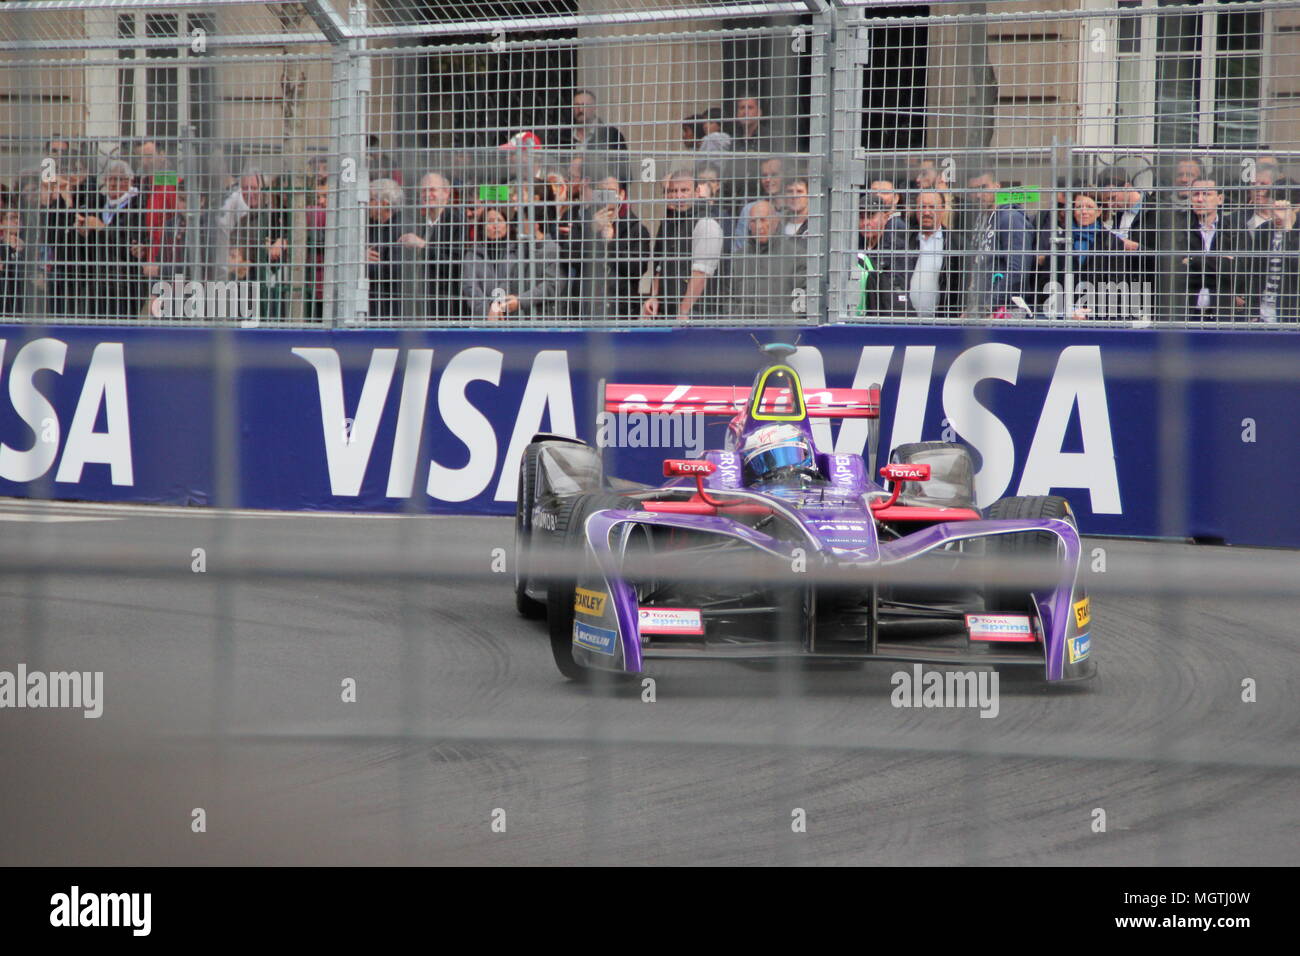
<point x="999" y="599"/>
<point x="527" y="606"/>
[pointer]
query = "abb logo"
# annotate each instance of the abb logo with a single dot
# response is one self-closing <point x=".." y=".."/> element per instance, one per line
<point x="898" y="472"/>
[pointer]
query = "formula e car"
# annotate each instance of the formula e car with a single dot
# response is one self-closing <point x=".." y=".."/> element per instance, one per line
<point x="722" y="561"/>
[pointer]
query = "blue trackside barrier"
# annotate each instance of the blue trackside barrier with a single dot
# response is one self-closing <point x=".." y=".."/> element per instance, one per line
<point x="1170" y="433"/>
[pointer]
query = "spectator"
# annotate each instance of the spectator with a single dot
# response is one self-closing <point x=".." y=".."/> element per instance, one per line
<point x="617" y="255"/>
<point x="1203" y="257"/>
<point x="112" y="236"/>
<point x="1097" y="252"/>
<point x="796" y="208"/>
<point x="562" y="223"/>
<point x="1271" y="290"/>
<point x="771" y="183"/>
<point x="750" y="133"/>
<point x="926" y="175"/>
<point x="1259" y="208"/>
<point x="715" y="140"/>
<point x="383" y="248"/>
<point x="588" y="130"/>
<point x="316" y="217"/>
<point x="505" y="275"/>
<point x="926" y="278"/>
<point x="708" y="190"/>
<point x="601" y="146"/>
<point x="58" y="270"/>
<point x="1186" y="171"/>
<point x="12" y="262"/>
<point x="895" y="236"/>
<point x="687" y="252"/>
<point x="440" y="242"/>
<point x="768" y="269"/>
<point x="876" y="270"/>
<point x="1001" y="251"/>
<point x="246" y="200"/>
<point x="1051" y="236"/>
<point x="692" y="132"/>
<point x="253" y="240"/>
<point x="1128" y="217"/>
<point x="1245" y="222"/>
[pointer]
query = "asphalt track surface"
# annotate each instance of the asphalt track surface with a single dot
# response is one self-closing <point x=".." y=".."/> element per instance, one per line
<point x="223" y="692"/>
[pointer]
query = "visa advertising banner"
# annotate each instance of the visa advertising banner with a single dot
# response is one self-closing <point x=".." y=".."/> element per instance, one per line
<point x="1180" y="434"/>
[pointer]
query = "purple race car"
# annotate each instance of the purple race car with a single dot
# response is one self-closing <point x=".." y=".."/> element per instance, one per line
<point x="722" y="561"/>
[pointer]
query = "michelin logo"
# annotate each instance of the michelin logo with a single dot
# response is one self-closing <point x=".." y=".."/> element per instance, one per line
<point x="598" y="639"/>
<point x="1079" y="647"/>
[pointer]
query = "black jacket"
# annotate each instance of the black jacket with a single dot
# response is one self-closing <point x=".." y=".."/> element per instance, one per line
<point x="900" y="264"/>
<point x="440" y="263"/>
<point x="1193" y="268"/>
<point x="1266" y="271"/>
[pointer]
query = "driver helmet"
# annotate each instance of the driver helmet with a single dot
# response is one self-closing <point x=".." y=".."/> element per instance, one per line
<point x="778" y="451"/>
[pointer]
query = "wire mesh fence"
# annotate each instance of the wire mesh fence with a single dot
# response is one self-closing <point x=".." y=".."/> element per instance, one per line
<point x="469" y="164"/>
<point x="508" y="165"/>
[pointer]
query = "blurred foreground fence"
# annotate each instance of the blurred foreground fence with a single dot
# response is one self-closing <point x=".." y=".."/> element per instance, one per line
<point x="603" y="162"/>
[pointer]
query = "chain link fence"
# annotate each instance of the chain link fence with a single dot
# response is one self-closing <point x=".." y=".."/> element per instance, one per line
<point x="606" y="164"/>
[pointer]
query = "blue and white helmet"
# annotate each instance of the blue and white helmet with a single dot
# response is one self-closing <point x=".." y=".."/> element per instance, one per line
<point x="778" y="451"/>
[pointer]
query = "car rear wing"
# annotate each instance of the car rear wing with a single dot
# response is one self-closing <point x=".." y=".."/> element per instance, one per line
<point x="728" y="400"/>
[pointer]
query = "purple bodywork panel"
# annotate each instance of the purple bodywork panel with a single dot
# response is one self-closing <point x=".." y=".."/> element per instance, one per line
<point x="845" y="536"/>
<point x="1053" y="606"/>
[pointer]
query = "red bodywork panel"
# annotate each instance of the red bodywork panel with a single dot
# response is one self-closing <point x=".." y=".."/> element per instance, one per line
<point x="923" y="513"/>
<point x="727" y="400"/>
<point x="698" y="506"/>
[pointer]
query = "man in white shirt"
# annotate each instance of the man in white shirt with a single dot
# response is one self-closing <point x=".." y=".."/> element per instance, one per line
<point x="925" y="281"/>
<point x="687" y="252"/>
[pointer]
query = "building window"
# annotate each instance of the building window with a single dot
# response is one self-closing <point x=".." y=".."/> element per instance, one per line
<point x="1188" y="74"/>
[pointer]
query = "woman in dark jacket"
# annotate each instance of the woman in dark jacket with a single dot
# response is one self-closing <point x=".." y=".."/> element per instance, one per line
<point x="504" y="276"/>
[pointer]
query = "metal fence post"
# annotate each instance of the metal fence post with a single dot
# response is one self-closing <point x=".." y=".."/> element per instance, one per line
<point x="844" y="159"/>
<point x="345" y="263"/>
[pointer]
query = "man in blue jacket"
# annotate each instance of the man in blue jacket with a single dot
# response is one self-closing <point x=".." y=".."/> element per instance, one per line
<point x="999" y="250"/>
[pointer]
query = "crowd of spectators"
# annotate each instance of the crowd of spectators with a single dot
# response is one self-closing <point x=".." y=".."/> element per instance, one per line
<point x="1194" y="250"/>
<point x="554" y="234"/>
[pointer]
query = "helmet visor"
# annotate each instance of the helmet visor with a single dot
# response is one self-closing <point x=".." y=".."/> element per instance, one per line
<point x="773" y="459"/>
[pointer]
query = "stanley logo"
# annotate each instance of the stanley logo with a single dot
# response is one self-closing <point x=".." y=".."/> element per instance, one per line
<point x="1083" y="613"/>
<point x="589" y="602"/>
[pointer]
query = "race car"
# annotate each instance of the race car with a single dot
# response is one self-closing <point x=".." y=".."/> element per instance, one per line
<point x="768" y="548"/>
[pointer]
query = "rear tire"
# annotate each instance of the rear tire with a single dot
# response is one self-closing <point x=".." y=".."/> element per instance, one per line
<point x="570" y="527"/>
<point x="1001" y="600"/>
<point x="527" y="606"/>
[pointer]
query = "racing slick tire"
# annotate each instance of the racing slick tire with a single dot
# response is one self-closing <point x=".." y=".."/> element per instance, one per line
<point x="952" y="473"/>
<point x="527" y="606"/>
<point x="569" y="524"/>
<point x="1025" y="545"/>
